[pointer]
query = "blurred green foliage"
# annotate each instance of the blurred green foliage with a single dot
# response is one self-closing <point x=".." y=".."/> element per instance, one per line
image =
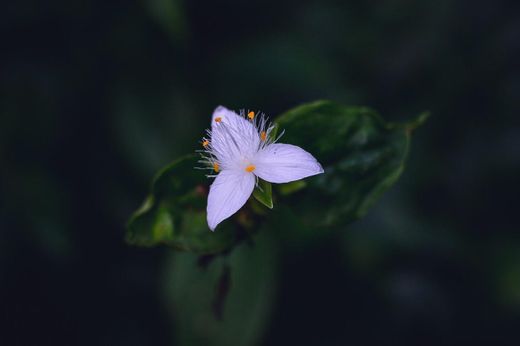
<point x="97" y="96"/>
<point x="228" y="301"/>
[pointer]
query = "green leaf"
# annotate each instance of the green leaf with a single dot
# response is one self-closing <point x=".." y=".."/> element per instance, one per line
<point x="292" y="187"/>
<point x="362" y="156"/>
<point x="174" y="213"/>
<point x="263" y="193"/>
<point x="193" y="293"/>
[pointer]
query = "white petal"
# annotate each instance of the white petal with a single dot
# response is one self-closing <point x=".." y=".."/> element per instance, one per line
<point x="228" y="193"/>
<point x="283" y="163"/>
<point x="228" y="117"/>
<point x="233" y="136"/>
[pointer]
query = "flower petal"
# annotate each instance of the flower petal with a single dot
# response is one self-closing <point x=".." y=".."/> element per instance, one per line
<point x="228" y="193"/>
<point x="232" y="135"/>
<point x="222" y="115"/>
<point x="283" y="163"/>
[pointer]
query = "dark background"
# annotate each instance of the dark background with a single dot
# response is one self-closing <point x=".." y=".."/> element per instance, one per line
<point x="95" y="96"/>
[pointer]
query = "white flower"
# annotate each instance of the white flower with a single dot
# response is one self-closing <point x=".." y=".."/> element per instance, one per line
<point x="239" y="149"/>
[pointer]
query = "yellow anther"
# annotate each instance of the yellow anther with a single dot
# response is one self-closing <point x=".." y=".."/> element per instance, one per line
<point x="216" y="167"/>
<point x="205" y="143"/>
<point x="218" y="119"/>
<point x="250" y="168"/>
<point x="251" y="115"/>
<point x="263" y="135"/>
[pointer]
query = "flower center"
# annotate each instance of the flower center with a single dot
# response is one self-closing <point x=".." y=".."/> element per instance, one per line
<point x="250" y="168"/>
<point x="218" y="119"/>
<point x="251" y="115"/>
<point x="216" y="167"/>
<point x="263" y="135"/>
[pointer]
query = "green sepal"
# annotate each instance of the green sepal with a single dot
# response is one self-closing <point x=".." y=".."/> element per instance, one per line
<point x="263" y="193"/>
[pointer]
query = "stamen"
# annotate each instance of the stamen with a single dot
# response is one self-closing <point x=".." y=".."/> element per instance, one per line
<point x="250" y="168"/>
<point x="263" y="136"/>
<point x="216" y="167"/>
<point x="218" y="119"/>
<point x="251" y="115"/>
<point x="205" y="143"/>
